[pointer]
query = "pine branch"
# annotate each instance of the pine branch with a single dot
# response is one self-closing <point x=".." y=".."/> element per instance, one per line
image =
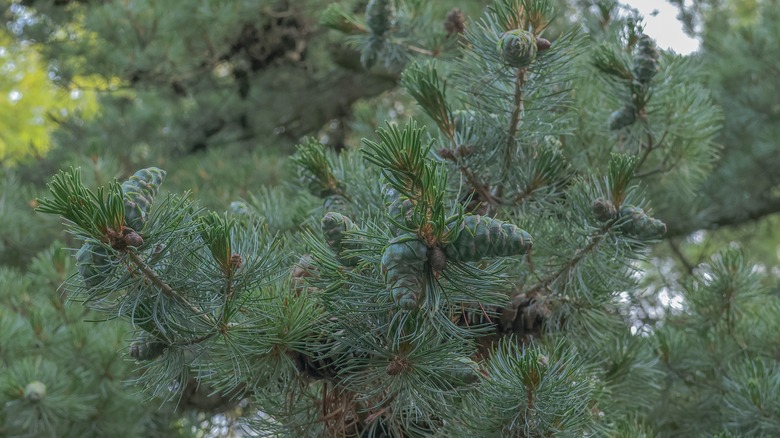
<point x="165" y="288"/>
<point x="517" y="111"/>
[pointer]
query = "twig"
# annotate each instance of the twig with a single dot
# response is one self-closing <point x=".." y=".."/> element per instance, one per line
<point x="514" y="121"/>
<point x="578" y="256"/>
<point x="676" y="250"/>
<point x="164" y="287"/>
<point x="651" y="145"/>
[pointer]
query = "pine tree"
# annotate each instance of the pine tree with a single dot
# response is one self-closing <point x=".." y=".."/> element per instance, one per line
<point x="479" y="270"/>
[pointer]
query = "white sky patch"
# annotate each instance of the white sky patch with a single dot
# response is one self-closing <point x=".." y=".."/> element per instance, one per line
<point x="664" y="27"/>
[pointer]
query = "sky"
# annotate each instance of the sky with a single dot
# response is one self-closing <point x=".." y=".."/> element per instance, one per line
<point x="664" y="27"/>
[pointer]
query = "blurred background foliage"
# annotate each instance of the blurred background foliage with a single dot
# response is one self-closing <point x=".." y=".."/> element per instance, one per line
<point x="218" y="92"/>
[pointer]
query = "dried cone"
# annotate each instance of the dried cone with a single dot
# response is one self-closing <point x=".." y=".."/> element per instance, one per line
<point x="517" y="48"/>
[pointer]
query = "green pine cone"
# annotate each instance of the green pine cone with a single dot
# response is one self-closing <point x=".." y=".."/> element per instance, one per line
<point x="334" y="227"/>
<point x="480" y="237"/>
<point x="401" y="211"/>
<point x="658" y="228"/>
<point x="623" y="117"/>
<point x="517" y="48"/>
<point x="379" y="16"/>
<point x="646" y="60"/>
<point x="139" y="192"/>
<point x="632" y="219"/>
<point x="94" y="264"/>
<point x="639" y="224"/>
<point x="403" y="264"/>
<point x="147" y="349"/>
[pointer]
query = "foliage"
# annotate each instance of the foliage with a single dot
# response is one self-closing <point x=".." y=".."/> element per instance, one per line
<point x="60" y="376"/>
<point x="484" y="264"/>
<point x="31" y="104"/>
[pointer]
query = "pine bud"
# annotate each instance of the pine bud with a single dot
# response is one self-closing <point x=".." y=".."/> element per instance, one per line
<point x="300" y="271"/>
<point x="604" y="210"/>
<point x="437" y="259"/>
<point x="403" y="264"/>
<point x="480" y="237"/>
<point x="542" y="44"/>
<point x="35" y="391"/>
<point x="236" y="261"/>
<point x="131" y="238"/>
<point x="623" y="117"/>
<point x="396" y="366"/>
<point x="455" y="22"/>
<point x="517" y="48"/>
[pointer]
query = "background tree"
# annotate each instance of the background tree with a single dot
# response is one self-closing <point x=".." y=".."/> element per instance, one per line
<point x="498" y="258"/>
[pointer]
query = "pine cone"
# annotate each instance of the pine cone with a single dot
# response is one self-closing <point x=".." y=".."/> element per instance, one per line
<point x="623" y="117"/>
<point x="401" y="211"/>
<point x="335" y="227"/>
<point x="517" y="48"/>
<point x="300" y="271"/>
<point x="147" y="349"/>
<point x="403" y="263"/>
<point x="94" y="264"/>
<point x="640" y="224"/>
<point x="480" y="237"/>
<point x="139" y="192"/>
<point x="646" y="60"/>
